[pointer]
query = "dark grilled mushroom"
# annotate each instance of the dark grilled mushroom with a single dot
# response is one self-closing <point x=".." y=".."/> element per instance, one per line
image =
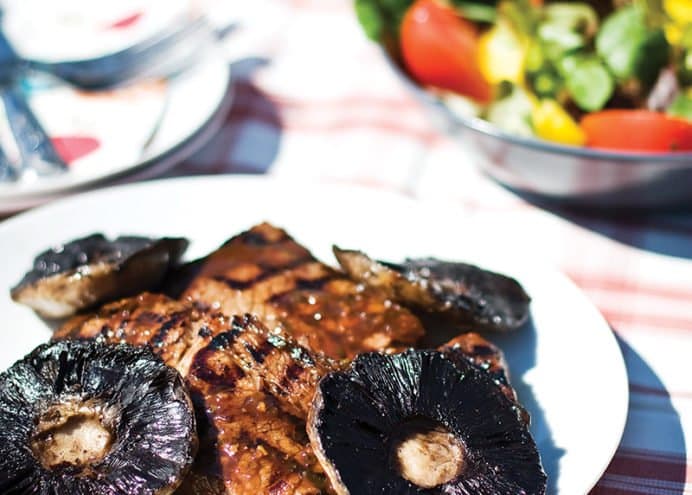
<point x="79" y="417"/>
<point x="466" y="293"/>
<point x="488" y="357"/>
<point x="93" y="269"/>
<point x="417" y="423"/>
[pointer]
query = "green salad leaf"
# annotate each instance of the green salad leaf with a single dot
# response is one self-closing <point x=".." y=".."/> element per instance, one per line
<point x="685" y="67"/>
<point x="566" y="27"/>
<point x="370" y="19"/>
<point x="556" y="40"/>
<point x="681" y="107"/>
<point x="573" y="16"/>
<point x="381" y="18"/>
<point x="477" y="11"/>
<point x="630" y="48"/>
<point x="654" y="11"/>
<point x="521" y="16"/>
<point x="686" y="41"/>
<point x="588" y="81"/>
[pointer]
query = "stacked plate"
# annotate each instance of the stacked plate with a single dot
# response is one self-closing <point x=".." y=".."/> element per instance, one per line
<point x="138" y="128"/>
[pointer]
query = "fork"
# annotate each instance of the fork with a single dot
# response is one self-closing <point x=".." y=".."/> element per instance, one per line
<point x="7" y="172"/>
<point x="37" y="154"/>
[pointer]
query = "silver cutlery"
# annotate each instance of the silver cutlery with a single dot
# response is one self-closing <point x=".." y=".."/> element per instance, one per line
<point x="7" y="172"/>
<point x="36" y="151"/>
<point x="37" y="156"/>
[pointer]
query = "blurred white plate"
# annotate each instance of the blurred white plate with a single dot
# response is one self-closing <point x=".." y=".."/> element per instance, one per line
<point x="131" y="129"/>
<point x="567" y="367"/>
<point x="82" y="29"/>
<point x="109" y="134"/>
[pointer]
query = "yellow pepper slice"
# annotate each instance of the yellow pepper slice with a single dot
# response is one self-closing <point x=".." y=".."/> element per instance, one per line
<point x="502" y="54"/>
<point x="680" y="12"/>
<point x="552" y="122"/>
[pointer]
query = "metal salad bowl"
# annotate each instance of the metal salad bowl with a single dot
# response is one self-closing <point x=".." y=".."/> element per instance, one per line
<point x="564" y="175"/>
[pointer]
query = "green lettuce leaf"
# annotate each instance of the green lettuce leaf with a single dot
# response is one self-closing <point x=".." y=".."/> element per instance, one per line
<point x="588" y="81"/>
<point x="381" y="18"/>
<point x="681" y="107"/>
<point x="630" y="48"/>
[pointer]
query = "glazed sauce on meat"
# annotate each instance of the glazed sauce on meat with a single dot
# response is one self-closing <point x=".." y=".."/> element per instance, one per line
<point x="265" y="272"/>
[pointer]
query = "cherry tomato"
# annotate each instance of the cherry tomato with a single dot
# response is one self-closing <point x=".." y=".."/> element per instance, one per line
<point x="637" y="130"/>
<point x="440" y="49"/>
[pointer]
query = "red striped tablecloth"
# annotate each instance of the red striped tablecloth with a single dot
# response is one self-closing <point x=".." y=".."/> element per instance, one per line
<point x="313" y="98"/>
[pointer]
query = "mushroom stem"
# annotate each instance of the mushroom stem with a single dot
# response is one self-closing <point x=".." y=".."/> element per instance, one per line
<point x="430" y="458"/>
<point x="71" y="433"/>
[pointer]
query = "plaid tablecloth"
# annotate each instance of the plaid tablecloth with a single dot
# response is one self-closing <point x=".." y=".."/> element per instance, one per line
<point x="313" y="98"/>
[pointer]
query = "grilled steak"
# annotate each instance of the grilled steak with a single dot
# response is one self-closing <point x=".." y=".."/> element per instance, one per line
<point x="174" y="330"/>
<point x="465" y="293"/>
<point x="265" y="272"/>
<point x="257" y="387"/>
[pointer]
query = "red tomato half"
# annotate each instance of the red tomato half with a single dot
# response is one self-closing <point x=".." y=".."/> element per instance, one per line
<point x="440" y="49"/>
<point x="637" y="130"/>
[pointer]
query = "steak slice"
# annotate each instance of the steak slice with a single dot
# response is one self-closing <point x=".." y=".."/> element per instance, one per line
<point x="173" y="329"/>
<point x="263" y="271"/>
<point x="257" y="387"/>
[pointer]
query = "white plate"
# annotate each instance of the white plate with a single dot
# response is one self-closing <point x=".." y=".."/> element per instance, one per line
<point x="83" y="29"/>
<point x="567" y="368"/>
<point x="136" y="128"/>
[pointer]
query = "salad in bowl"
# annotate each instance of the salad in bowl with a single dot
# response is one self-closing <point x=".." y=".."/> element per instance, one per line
<point x="610" y="75"/>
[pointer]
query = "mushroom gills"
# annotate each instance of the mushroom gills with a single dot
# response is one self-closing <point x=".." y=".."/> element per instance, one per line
<point x="92" y="270"/>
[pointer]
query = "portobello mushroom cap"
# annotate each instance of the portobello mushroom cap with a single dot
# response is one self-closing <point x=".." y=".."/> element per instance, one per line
<point x="93" y="269"/>
<point x="417" y="423"/>
<point x="82" y="417"/>
<point x="465" y="293"/>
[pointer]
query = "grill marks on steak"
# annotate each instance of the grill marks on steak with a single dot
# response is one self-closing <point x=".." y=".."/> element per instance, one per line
<point x="256" y="387"/>
<point x="288" y="370"/>
<point x="263" y="271"/>
<point x="173" y="329"/>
